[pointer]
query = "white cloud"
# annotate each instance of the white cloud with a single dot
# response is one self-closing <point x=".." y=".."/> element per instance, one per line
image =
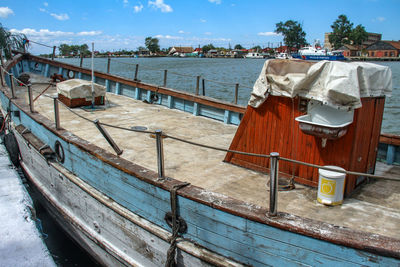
<point x="380" y="19"/>
<point x="138" y="8"/>
<point x="159" y="4"/>
<point x="46" y="4"/>
<point x="126" y="2"/>
<point x="268" y="34"/>
<point x="215" y="1"/>
<point x="203" y="20"/>
<point x="42" y="10"/>
<point x="60" y="17"/>
<point x="91" y="33"/>
<point x="207" y="33"/>
<point x="160" y="36"/>
<point x="181" y="32"/>
<point x="5" y="12"/>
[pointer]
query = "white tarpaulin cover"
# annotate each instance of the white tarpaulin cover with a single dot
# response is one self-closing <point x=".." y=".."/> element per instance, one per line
<point x="334" y="83"/>
<point x="77" y="88"/>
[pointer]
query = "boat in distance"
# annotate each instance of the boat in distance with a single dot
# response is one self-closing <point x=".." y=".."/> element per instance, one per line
<point x="141" y="174"/>
<point x="313" y="53"/>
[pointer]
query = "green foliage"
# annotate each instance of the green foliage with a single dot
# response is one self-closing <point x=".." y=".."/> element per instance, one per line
<point x="73" y="50"/>
<point x="14" y="40"/>
<point x="358" y="35"/>
<point x="207" y="48"/>
<point x="342" y="29"/>
<point x="293" y="34"/>
<point x="152" y="44"/>
<point x="257" y="48"/>
<point x="238" y="46"/>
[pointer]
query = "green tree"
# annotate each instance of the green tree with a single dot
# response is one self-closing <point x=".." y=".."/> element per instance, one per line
<point x="152" y="44"/>
<point x="207" y="48"/>
<point x="257" y="48"/>
<point x="341" y="32"/>
<point x="358" y="35"/>
<point x="64" y="49"/>
<point x="14" y="40"/>
<point x="293" y="34"/>
<point x="238" y="46"/>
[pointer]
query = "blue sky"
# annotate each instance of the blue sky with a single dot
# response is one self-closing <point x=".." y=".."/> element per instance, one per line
<point x="124" y="24"/>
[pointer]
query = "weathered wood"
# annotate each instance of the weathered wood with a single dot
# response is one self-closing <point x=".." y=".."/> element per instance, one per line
<point x="165" y="78"/>
<point x="236" y="93"/>
<point x="54" y="53"/>
<point x="390" y="139"/>
<point x="272" y="128"/>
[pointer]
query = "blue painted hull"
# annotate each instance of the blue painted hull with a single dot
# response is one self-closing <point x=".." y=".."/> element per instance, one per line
<point x="313" y="57"/>
<point x="248" y="236"/>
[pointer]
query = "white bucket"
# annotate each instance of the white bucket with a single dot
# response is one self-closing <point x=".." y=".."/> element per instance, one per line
<point x="331" y="186"/>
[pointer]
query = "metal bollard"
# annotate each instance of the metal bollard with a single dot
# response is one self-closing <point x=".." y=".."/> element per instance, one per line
<point x="165" y="78"/>
<point x="236" y="92"/>
<point x="108" y="137"/>
<point x="12" y="86"/>
<point x="56" y="114"/>
<point x="160" y="154"/>
<point x="108" y="64"/>
<point x="1" y="76"/>
<point x="136" y="72"/>
<point x="81" y="61"/>
<point x="273" y="184"/>
<point x="54" y="52"/>
<point x="30" y="98"/>
<point x="204" y="87"/>
<point x="197" y="85"/>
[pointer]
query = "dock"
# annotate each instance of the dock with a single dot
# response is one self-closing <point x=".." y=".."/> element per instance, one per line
<point x="20" y="240"/>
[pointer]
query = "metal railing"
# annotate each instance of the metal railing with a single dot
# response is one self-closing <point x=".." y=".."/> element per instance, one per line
<point x="159" y="134"/>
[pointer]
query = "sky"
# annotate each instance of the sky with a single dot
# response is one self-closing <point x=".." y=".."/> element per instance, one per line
<point x="124" y="24"/>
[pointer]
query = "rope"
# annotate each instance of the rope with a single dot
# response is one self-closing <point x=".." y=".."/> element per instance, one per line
<point x="340" y="171"/>
<point x="216" y="148"/>
<point x="175" y="225"/>
<point x="40" y="44"/>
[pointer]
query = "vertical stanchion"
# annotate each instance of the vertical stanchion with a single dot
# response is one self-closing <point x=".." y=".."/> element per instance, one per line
<point x="30" y="97"/>
<point x="273" y="184"/>
<point x="56" y="114"/>
<point x="1" y="76"/>
<point x="165" y="78"/>
<point x="9" y="49"/>
<point x="12" y="85"/>
<point x="236" y="92"/>
<point x="136" y="72"/>
<point x="108" y="63"/>
<point x="54" y="53"/>
<point x="2" y="57"/>
<point x="204" y="87"/>
<point x="197" y="85"/>
<point x="160" y="154"/>
<point x="81" y="62"/>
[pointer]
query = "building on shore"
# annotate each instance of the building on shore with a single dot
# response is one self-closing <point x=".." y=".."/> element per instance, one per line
<point x="384" y="49"/>
<point x="180" y="50"/>
<point x="372" y="38"/>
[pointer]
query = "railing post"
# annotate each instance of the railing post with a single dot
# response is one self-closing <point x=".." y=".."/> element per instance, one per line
<point x="160" y="154"/>
<point x="56" y="114"/>
<point x="108" y="64"/>
<point x="273" y="184"/>
<point x="136" y="72"/>
<point x="54" y="53"/>
<point x="9" y="48"/>
<point x="30" y="97"/>
<point x="81" y="62"/>
<point x="12" y="85"/>
<point x="197" y="85"/>
<point x="165" y="78"/>
<point x="204" y="87"/>
<point x="236" y="92"/>
<point x="1" y="76"/>
<point x="108" y="137"/>
<point x="2" y="57"/>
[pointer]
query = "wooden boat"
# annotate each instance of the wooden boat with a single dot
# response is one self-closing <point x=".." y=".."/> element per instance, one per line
<point x="121" y="206"/>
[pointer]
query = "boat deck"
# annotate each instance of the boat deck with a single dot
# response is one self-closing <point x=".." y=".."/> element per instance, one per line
<point x="375" y="208"/>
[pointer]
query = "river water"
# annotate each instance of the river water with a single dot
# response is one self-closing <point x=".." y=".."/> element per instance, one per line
<point x="221" y="75"/>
